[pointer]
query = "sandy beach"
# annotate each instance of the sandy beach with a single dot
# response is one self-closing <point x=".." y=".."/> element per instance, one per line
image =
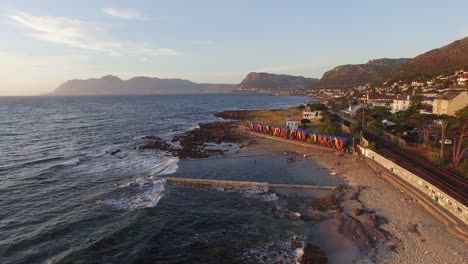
<point x="413" y="234"/>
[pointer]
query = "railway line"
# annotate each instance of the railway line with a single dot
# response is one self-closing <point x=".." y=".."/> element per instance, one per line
<point x="449" y="182"/>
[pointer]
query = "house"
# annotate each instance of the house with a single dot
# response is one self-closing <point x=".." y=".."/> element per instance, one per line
<point x="449" y="103"/>
<point x="292" y="123"/>
<point x="352" y="110"/>
<point x="430" y="93"/>
<point x="463" y="78"/>
<point x="382" y="103"/>
<point x="311" y="115"/>
<point x="401" y="103"/>
<point x="375" y="99"/>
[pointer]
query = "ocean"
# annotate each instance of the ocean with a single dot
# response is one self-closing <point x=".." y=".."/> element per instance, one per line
<point x="65" y="199"/>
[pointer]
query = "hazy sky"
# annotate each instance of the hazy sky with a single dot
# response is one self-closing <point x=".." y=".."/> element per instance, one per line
<point x="43" y="43"/>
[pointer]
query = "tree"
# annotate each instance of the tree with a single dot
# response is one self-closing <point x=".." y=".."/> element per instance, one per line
<point x="317" y="107"/>
<point x="301" y="107"/>
<point x="416" y="99"/>
<point x="330" y="125"/>
<point x="427" y="129"/>
<point x="462" y="126"/>
<point x="305" y="122"/>
<point x="355" y="129"/>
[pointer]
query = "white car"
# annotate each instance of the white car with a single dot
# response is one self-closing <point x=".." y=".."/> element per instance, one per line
<point x="447" y="141"/>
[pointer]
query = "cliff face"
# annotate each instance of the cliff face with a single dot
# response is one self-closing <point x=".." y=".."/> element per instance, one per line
<point x="268" y="82"/>
<point x="112" y="85"/>
<point x="346" y="76"/>
<point x="444" y="60"/>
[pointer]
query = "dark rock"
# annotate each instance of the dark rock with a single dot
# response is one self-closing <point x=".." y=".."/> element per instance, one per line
<point x="329" y="202"/>
<point x="294" y="243"/>
<point x="193" y="142"/>
<point x="234" y="114"/>
<point x="115" y="152"/>
<point x="364" y="235"/>
<point x="157" y="143"/>
<point x="391" y="246"/>
<point x="313" y="255"/>
<point x="358" y="212"/>
<point x="413" y="228"/>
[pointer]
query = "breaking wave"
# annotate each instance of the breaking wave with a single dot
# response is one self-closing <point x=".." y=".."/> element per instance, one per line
<point x="255" y="192"/>
<point x="166" y="167"/>
<point x="152" y="192"/>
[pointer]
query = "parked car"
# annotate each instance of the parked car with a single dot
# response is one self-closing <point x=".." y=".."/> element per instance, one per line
<point x="447" y="141"/>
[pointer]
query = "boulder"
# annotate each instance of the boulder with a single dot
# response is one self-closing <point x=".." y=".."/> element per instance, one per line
<point x="313" y="255"/>
<point x="294" y="243"/>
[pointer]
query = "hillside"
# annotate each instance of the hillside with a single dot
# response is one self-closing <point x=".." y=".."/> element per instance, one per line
<point x="346" y="76"/>
<point x="444" y="60"/>
<point x="269" y="83"/>
<point x="112" y="85"/>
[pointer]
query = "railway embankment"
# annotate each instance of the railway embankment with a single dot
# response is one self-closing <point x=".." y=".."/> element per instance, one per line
<point x="442" y="205"/>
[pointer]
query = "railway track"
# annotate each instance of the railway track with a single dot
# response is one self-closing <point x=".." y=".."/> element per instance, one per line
<point x="451" y="183"/>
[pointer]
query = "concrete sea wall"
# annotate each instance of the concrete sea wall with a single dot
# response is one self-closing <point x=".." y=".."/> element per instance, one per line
<point x="454" y="207"/>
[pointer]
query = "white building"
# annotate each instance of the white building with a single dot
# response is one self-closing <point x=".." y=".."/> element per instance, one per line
<point x="353" y="109"/>
<point x="292" y="123"/>
<point x="401" y="103"/>
<point x="311" y="115"/>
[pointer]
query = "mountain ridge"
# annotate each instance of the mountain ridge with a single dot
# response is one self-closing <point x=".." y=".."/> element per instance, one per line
<point x="113" y="85"/>
<point x="443" y="60"/>
<point x="349" y="75"/>
<point x="270" y="82"/>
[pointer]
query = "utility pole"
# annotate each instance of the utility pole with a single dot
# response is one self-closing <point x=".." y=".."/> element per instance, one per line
<point x="453" y="148"/>
<point x="363" y="119"/>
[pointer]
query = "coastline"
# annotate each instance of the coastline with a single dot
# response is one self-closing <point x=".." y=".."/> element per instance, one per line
<point x="366" y="223"/>
<point x="413" y="234"/>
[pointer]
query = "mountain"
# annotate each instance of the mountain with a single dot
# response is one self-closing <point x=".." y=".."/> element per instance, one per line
<point x="346" y="76"/>
<point x="112" y="85"/>
<point x="444" y="60"/>
<point x="263" y="82"/>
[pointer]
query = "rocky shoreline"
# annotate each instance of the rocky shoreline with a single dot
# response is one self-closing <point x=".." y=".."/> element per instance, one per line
<point x="360" y="225"/>
<point x="358" y="218"/>
<point x="384" y="224"/>
<point x="193" y="143"/>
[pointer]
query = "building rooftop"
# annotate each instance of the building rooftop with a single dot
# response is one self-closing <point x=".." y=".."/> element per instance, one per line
<point x="375" y="96"/>
<point x="448" y="96"/>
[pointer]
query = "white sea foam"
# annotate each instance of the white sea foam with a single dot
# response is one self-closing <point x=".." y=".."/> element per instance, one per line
<point x="152" y="192"/>
<point x="166" y="167"/>
<point x="277" y="251"/>
<point x="255" y="192"/>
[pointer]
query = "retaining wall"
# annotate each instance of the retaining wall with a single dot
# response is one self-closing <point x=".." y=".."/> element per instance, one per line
<point x="453" y="206"/>
<point x="246" y="184"/>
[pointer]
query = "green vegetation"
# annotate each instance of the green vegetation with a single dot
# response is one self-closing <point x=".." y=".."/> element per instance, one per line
<point x="330" y="124"/>
<point x="301" y="107"/>
<point x="305" y="122"/>
<point x="356" y="129"/>
<point x="317" y="107"/>
<point x="461" y="127"/>
<point x="436" y="159"/>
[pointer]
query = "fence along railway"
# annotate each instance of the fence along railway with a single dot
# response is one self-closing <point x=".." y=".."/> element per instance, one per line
<point x="451" y="183"/>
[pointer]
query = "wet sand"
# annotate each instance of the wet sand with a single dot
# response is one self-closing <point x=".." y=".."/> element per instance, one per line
<point x="409" y="233"/>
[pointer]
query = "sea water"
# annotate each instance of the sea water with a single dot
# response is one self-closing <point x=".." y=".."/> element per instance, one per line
<point x="68" y="196"/>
